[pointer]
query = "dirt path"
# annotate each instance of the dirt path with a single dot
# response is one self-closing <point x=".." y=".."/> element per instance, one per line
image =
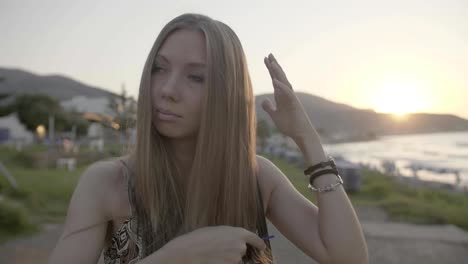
<point x="393" y="243"/>
<point x="388" y="243"/>
<point x="35" y="249"/>
<point x="397" y="244"/>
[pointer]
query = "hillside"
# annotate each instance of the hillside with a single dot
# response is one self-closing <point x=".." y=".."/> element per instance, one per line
<point x="342" y="122"/>
<point x="63" y="88"/>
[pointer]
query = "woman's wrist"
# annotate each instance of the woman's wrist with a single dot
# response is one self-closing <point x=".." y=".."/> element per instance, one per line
<point x="313" y="152"/>
<point x="311" y="147"/>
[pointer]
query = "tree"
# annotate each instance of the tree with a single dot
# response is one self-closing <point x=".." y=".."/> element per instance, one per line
<point x="5" y="108"/>
<point x="35" y="109"/>
<point x="124" y="110"/>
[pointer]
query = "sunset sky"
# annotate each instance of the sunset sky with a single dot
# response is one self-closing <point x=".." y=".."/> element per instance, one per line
<point x="390" y="56"/>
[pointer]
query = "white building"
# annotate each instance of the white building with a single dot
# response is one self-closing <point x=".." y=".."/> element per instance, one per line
<point x="96" y="136"/>
<point x="84" y="104"/>
<point x="16" y="133"/>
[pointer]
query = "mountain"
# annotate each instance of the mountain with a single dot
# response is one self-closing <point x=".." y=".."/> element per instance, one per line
<point x="339" y="122"/>
<point x="14" y="81"/>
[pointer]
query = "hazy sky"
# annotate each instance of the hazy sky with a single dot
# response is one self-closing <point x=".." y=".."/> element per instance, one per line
<point x="391" y="56"/>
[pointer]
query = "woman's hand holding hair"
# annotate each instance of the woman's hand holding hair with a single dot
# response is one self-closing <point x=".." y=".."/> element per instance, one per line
<point x="210" y="245"/>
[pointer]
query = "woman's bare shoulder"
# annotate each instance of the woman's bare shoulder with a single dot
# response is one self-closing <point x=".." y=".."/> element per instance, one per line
<point x="89" y="213"/>
<point x="107" y="173"/>
<point x="269" y="173"/>
<point x="263" y="166"/>
<point x="99" y="186"/>
<point x="264" y="179"/>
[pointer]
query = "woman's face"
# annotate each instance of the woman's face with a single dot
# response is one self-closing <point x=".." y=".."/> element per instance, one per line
<point x="178" y="84"/>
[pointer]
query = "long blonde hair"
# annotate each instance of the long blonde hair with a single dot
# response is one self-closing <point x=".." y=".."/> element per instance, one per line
<point x="222" y="186"/>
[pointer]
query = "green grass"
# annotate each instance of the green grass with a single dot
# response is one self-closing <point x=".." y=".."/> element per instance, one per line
<point x="401" y="202"/>
<point x="416" y="205"/>
<point x="42" y="197"/>
<point x="45" y="192"/>
<point x="14" y="220"/>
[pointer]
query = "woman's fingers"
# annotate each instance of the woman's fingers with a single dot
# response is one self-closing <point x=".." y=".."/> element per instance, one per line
<point x="278" y="72"/>
<point x="254" y="240"/>
<point x="282" y="89"/>
<point x="268" y="65"/>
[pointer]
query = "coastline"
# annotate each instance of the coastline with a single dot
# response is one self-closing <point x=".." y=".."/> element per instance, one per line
<point x="432" y="158"/>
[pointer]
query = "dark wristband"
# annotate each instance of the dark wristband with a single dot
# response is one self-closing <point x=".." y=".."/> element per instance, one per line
<point x="321" y="165"/>
<point x="320" y="173"/>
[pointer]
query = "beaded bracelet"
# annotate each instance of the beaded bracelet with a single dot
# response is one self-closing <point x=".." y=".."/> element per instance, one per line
<point x="327" y="188"/>
<point x="311" y="172"/>
<point x="320" y="173"/>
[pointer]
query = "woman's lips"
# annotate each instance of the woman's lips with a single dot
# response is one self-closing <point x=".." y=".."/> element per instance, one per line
<point x="166" y="116"/>
<point x="167" y="112"/>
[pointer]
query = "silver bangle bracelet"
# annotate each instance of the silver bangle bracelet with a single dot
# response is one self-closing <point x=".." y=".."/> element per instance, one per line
<point x="328" y="188"/>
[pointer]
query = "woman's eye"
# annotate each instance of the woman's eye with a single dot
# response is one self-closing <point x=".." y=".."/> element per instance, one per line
<point x="156" y="68"/>
<point x="197" y="78"/>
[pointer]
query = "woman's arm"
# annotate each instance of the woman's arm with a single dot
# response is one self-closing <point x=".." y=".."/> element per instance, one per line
<point x="85" y="228"/>
<point x="330" y="233"/>
<point x="339" y="226"/>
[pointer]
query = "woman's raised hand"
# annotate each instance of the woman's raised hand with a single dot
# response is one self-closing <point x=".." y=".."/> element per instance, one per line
<point x="289" y="115"/>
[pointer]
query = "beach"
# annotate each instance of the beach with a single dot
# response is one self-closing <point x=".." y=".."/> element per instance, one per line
<point x="440" y="157"/>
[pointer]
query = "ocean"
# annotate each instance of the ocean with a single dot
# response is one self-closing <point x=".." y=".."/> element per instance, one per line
<point x="439" y="157"/>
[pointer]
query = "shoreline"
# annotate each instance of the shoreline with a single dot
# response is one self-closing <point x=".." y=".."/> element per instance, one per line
<point x="431" y="157"/>
<point x="363" y="138"/>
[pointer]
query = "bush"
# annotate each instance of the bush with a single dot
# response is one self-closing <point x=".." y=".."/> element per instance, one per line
<point x="407" y="209"/>
<point x="377" y="190"/>
<point x="13" y="219"/>
<point x="417" y="205"/>
<point x="24" y="159"/>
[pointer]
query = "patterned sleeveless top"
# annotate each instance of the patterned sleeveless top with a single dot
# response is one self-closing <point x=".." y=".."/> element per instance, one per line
<point x="126" y="246"/>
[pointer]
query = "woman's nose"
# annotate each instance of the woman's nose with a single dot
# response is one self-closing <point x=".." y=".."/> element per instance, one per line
<point x="170" y="89"/>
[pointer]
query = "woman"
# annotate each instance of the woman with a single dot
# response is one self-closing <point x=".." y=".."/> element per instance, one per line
<point x="193" y="189"/>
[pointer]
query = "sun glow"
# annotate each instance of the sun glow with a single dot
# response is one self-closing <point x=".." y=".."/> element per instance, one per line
<point x="399" y="98"/>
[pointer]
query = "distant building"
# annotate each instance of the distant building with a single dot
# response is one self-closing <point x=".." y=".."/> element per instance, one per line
<point x="82" y="104"/>
<point x="12" y="132"/>
<point x="95" y="131"/>
<point x="282" y="147"/>
<point x="96" y="136"/>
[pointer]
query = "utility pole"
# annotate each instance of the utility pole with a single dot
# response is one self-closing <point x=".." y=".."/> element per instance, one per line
<point x="52" y="129"/>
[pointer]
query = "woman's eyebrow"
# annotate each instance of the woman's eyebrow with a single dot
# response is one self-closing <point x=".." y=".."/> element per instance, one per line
<point x="161" y="57"/>
<point x="196" y="64"/>
<point x="190" y="64"/>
